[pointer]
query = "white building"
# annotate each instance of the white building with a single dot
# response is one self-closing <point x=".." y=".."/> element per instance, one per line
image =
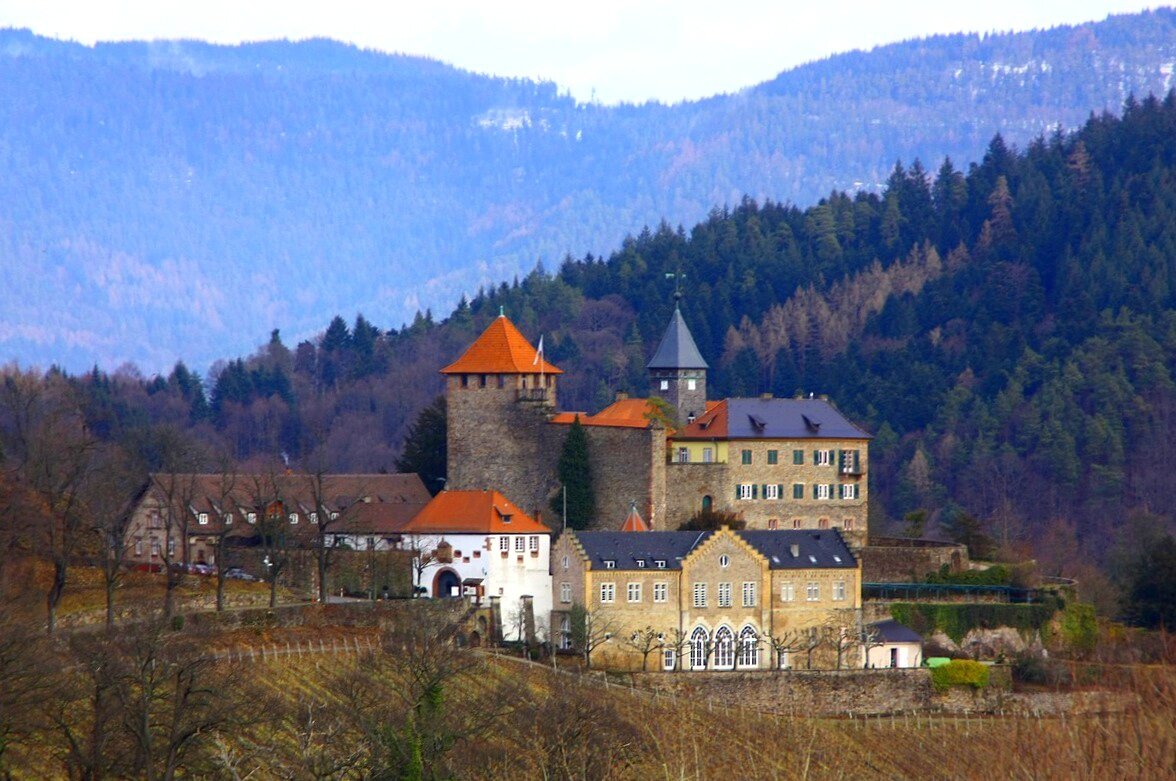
<point x="893" y="645"/>
<point x="478" y="545"/>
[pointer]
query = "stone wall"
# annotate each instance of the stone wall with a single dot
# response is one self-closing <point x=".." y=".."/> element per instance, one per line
<point x="628" y="466"/>
<point x="895" y="560"/>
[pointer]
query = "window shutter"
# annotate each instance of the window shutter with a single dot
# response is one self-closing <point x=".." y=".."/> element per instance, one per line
<point x="816" y="457"/>
<point x="754" y="491"/>
<point x="780" y="491"/>
<point x="814" y="490"/>
<point x="856" y="463"/>
<point x="841" y="490"/>
<point x="738" y="492"/>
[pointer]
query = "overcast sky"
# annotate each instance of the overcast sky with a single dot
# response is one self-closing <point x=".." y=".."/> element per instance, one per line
<point x="613" y="50"/>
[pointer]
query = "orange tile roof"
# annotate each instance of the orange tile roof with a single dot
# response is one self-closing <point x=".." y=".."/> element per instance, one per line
<point x="501" y="349"/>
<point x="625" y="413"/>
<point x="635" y="523"/>
<point x="711" y="424"/>
<point x="455" y="512"/>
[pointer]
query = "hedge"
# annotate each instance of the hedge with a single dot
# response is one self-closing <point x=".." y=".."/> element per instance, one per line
<point x="956" y="620"/>
<point x="959" y="672"/>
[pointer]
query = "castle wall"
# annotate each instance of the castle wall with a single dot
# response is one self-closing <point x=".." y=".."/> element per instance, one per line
<point x="628" y="465"/>
<point x="687" y="484"/>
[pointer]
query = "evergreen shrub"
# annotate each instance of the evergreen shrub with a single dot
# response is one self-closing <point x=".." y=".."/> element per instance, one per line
<point x="959" y="672"/>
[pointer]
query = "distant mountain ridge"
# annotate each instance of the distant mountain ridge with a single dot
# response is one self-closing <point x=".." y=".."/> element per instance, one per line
<point x="180" y="199"/>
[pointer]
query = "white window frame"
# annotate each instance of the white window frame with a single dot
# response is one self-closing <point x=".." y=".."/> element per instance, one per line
<point x="251" y="517"/>
<point x="724" y="595"/>
<point x="812" y="591"/>
<point x="745" y="490"/>
<point x="669" y="659"/>
<point x="504" y="544"/>
<point x="708" y="455"/>
<point x="313" y="516"/>
<point x="227" y="519"/>
<point x="747" y="645"/>
<point x="565" y="562"/>
<point x="691" y="384"/>
<point x="772" y="491"/>
<point x="838" y="590"/>
<point x="138" y="547"/>
<point x="749" y="593"/>
<point x="608" y="593"/>
<point x="699" y="639"/>
<point x="565" y="633"/>
<point x="849" y="491"/>
<point x="823" y="491"/>
<point x="565" y="593"/>
<point x="533" y="542"/>
<point x="699" y="595"/>
<point x="724" y="652"/>
<point x="824" y="457"/>
<point x="633" y="591"/>
<point x="202" y="519"/>
<point x="293" y="519"/>
<point x="661" y="592"/>
<point x="665" y="384"/>
<point x="520" y="544"/>
<point x="788" y="592"/>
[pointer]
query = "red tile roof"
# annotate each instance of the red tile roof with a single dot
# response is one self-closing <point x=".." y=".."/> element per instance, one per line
<point x="635" y="523"/>
<point x="625" y="413"/>
<point x="501" y="349"/>
<point x="473" y="512"/>
<point x="711" y="424"/>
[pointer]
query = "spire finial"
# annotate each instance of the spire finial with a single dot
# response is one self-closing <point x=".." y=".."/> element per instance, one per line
<point x="677" y="276"/>
<point x="501" y="311"/>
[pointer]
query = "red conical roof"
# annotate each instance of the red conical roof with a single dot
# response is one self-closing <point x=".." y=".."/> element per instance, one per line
<point x="635" y="523"/>
<point x="501" y="349"/>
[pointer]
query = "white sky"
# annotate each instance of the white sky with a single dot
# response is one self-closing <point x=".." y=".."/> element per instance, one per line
<point x="618" y="51"/>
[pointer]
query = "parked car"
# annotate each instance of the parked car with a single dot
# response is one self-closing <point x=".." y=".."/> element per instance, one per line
<point x="236" y="573"/>
<point x="201" y="569"/>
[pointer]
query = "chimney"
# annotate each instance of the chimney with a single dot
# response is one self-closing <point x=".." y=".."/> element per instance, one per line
<point x="795" y="550"/>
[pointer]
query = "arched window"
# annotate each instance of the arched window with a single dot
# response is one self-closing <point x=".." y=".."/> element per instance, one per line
<point x="698" y="641"/>
<point x="748" y="648"/>
<point x="707" y="504"/>
<point x="724" y="648"/>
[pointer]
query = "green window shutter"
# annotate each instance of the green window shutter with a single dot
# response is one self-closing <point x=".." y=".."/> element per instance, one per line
<point x="815" y="458"/>
<point x="780" y="491"/>
<point x="840" y="460"/>
<point x="856" y="462"/>
<point x="798" y="457"/>
<point x="798" y="490"/>
<point x="841" y="490"/>
<point x="738" y="492"/>
<point x="814" y="490"/>
<point x="754" y="491"/>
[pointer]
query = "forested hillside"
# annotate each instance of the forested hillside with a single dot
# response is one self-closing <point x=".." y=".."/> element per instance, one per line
<point x="1007" y="334"/>
<point x="180" y="199"/>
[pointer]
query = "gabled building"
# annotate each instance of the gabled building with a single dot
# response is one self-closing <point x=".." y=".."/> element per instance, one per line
<point x="482" y="546"/>
<point x="714" y="600"/>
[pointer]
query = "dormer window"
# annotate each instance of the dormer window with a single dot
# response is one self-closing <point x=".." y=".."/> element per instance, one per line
<point x="251" y="517"/>
<point x="506" y="519"/>
<point x="334" y="516"/>
<point x="202" y="519"/>
<point x="610" y="564"/>
<point x="640" y="563"/>
<point x="660" y="563"/>
<point x="314" y="517"/>
<point x="293" y="518"/>
<point x="228" y="519"/>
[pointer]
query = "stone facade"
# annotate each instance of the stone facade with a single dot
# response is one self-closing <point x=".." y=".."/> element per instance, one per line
<point x="682" y="389"/>
<point x="897" y="560"/>
<point x="627" y="466"/>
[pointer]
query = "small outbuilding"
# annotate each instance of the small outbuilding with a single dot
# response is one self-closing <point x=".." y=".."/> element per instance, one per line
<point x="890" y="644"/>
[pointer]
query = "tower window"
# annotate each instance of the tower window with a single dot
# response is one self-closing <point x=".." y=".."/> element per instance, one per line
<point x="665" y="384"/>
<point x="691" y="384"/>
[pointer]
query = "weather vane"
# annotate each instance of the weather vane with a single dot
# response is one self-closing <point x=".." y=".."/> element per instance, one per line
<point x="677" y="276"/>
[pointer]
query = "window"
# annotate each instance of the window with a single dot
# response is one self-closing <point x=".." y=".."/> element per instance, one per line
<point x="608" y="593"/>
<point x="154" y="548"/>
<point x="565" y="633"/>
<point x="565" y="562"/>
<point x="520" y="543"/>
<point x="228" y="519"/>
<point x="691" y="384"/>
<point x="661" y="592"/>
<point x="700" y="595"/>
<point x="798" y="490"/>
<point x="293" y="518"/>
<point x="838" y="590"/>
<point x="812" y="591"/>
<point x="634" y="594"/>
<point x="683" y="455"/>
<point x="698" y="649"/>
<point x="640" y="563"/>
<point x="665" y="384"/>
<point x="746" y="455"/>
<point x="848" y="491"/>
<point x="748" y="648"/>
<point x="313" y="517"/>
<point x="610" y="564"/>
<point x="798" y="457"/>
<point x="787" y="592"/>
<point x="773" y="524"/>
<point x="708" y="455"/>
<point x="138" y="547"/>
<point x="823" y="523"/>
<point x="822" y="457"/>
<point x="565" y="592"/>
<point x="533" y="542"/>
<point x="773" y="457"/>
<point x="771" y="491"/>
<point x="822" y="490"/>
<point x="669" y="659"/>
<point x="724" y="595"/>
<point x="724" y="648"/>
<point x="796" y="523"/>
<point x="334" y="516"/>
<point x="847" y="524"/>
<point x="745" y="491"/>
<point x="749" y="594"/>
<point x="504" y="544"/>
<point x="371" y="543"/>
<point x="171" y="547"/>
<point x="707" y="503"/>
<point x="724" y="561"/>
<point x="465" y="380"/>
<point x="660" y="563"/>
<point x="202" y="519"/>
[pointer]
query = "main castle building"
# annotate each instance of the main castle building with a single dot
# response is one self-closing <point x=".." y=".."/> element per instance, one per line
<point x="777" y="463"/>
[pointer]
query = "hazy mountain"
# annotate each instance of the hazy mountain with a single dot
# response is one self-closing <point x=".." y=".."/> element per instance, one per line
<point x="181" y="199"/>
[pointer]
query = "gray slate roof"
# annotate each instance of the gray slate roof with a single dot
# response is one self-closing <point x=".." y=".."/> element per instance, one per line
<point x="820" y="548"/>
<point x="788" y="419"/>
<point x="891" y="631"/>
<point x="677" y="349"/>
<point x="823" y="548"/>
<point x="626" y="548"/>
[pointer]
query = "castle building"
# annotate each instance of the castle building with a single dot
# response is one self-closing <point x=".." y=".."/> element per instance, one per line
<point x="777" y="464"/>
<point x="722" y="600"/>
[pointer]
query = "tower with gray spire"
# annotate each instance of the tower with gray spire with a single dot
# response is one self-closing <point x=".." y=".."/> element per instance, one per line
<point x="677" y="371"/>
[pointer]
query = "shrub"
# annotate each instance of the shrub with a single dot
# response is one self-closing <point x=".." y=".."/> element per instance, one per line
<point x="959" y="672"/>
<point x="956" y="620"/>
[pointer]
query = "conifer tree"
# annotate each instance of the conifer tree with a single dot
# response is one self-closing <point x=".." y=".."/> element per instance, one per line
<point x="575" y="476"/>
<point x="425" y="449"/>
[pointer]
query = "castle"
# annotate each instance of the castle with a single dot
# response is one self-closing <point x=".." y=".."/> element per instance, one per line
<point x="776" y="463"/>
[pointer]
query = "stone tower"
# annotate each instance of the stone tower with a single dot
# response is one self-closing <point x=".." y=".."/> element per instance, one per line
<point x="677" y="372"/>
<point x="500" y="394"/>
